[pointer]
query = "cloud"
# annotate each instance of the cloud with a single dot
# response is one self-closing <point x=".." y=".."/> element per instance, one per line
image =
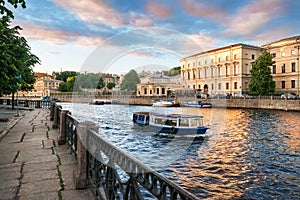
<point x="199" y="9"/>
<point x="92" y="11"/>
<point x="205" y="42"/>
<point x="39" y="32"/>
<point x="272" y="35"/>
<point x="253" y="16"/>
<point x="158" y="9"/>
<point x="99" y="12"/>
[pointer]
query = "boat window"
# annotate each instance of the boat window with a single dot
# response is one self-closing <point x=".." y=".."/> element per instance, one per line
<point x="184" y="122"/>
<point x="194" y="122"/>
<point x="141" y="117"/>
<point x="171" y="122"/>
<point x="159" y="121"/>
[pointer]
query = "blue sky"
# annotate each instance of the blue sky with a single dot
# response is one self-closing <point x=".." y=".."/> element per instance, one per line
<point x="114" y="36"/>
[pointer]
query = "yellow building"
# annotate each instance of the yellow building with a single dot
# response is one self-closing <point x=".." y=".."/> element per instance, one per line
<point x="44" y="86"/>
<point x="223" y="70"/>
<point x="285" y="70"/>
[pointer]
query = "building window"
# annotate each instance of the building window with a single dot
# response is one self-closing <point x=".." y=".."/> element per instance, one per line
<point x="293" y="52"/>
<point x="219" y="86"/>
<point x="253" y="57"/>
<point x="227" y="58"/>
<point x="150" y="92"/>
<point x="227" y="70"/>
<point x="235" y="85"/>
<point x="199" y="63"/>
<point x="205" y="73"/>
<point x="212" y="86"/>
<point x="293" y="84"/>
<point x="283" y="68"/>
<point x="282" y="84"/>
<point x="235" y="69"/>
<point x="205" y="62"/>
<point x="212" y="72"/>
<point x="273" y="55"/>
<point x="193" y="64"/>
<point x="212" y="60"/>
<point x="189" y="65"/>
<point x="194" y="87"/>
<point x="274" y="69"/>
<point x="219" y="59"/>
<point x="227" y="86"/>
<point x="293" y="67"/>
<point x="219" y="71"/>
<point x="194" y="75"/>
<point x="282" y="54"/>
<point x="235" y="56"/>
<point x="199" y="86"/>
<point x="145" y="90"/>
<point x="162" y="90"/>
<point x="188" y="75"/>
<point x="199" y="73"/>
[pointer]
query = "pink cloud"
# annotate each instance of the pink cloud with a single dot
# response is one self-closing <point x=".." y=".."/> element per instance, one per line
<point x="253" y="16"/>
<point x="98" y="11"/>
<point x="200" y="9"/>
<point x="272" y="35"/>
<point x="39" y="32"/>
<point x="205" y="42"/>
<point x="158" y="9"/>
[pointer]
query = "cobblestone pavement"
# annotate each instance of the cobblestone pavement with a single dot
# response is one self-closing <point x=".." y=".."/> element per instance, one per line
<point x="32" y="165"/>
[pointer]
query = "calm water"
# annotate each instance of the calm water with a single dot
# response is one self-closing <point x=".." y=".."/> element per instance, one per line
<point x="249" y="154"/>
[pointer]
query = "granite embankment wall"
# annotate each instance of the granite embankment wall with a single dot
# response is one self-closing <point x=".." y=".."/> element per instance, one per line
<point x="256" y="103"/>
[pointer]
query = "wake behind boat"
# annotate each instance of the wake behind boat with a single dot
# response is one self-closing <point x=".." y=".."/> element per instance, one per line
<point x="173" y="124"/>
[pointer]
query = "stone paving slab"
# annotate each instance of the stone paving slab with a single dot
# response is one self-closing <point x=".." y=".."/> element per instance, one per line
<point x="40" y="196"/>
<point x="33" y="176"/>
<point x="8" y="194"/>
<point x="42" y="186"/>
<point x="31" y="167"/>
<point x="77" y="194"/>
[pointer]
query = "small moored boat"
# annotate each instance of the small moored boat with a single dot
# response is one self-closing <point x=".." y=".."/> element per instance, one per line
<point x="197" y="104"/>
<point x="168" y="103"/>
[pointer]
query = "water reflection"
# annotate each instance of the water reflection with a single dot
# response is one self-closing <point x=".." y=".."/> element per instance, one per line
<point x="256" y="157"/>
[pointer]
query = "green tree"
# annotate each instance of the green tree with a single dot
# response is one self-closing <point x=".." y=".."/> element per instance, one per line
<point x="16" y="60"/>
<point x="261" y="80"/>
<point x="101" y="83"/>
<point x="174" y="71"/>
<point x="110" y="85"/>
<point x="63" y="76"/>
<point x="131" y="79"/>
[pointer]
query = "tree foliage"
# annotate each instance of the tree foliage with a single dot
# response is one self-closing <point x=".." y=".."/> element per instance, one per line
<point x="16" y="60"/>
<point x="63" y="76"/>
<point x="130" y="80"/>
<point x="261" y="80"/>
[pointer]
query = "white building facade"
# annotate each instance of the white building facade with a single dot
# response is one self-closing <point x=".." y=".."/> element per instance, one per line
<point x="223" y="70"/>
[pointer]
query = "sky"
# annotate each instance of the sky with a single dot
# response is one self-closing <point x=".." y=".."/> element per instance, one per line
<point x="114" y="36"/>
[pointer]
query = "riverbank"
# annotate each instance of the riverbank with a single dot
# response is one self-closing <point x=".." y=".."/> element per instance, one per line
<point x="273" y="103"/>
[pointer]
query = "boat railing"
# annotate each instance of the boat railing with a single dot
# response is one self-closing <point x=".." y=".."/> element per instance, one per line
<point x="109" y="171"/>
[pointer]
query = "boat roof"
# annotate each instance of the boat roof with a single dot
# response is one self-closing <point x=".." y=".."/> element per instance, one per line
<point x="176" y="115"/>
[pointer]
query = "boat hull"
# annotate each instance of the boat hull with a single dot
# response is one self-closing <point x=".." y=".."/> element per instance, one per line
<point x="171" y="130"/>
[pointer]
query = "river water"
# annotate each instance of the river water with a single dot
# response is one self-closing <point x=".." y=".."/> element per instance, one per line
<point x="249" y="153"/>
